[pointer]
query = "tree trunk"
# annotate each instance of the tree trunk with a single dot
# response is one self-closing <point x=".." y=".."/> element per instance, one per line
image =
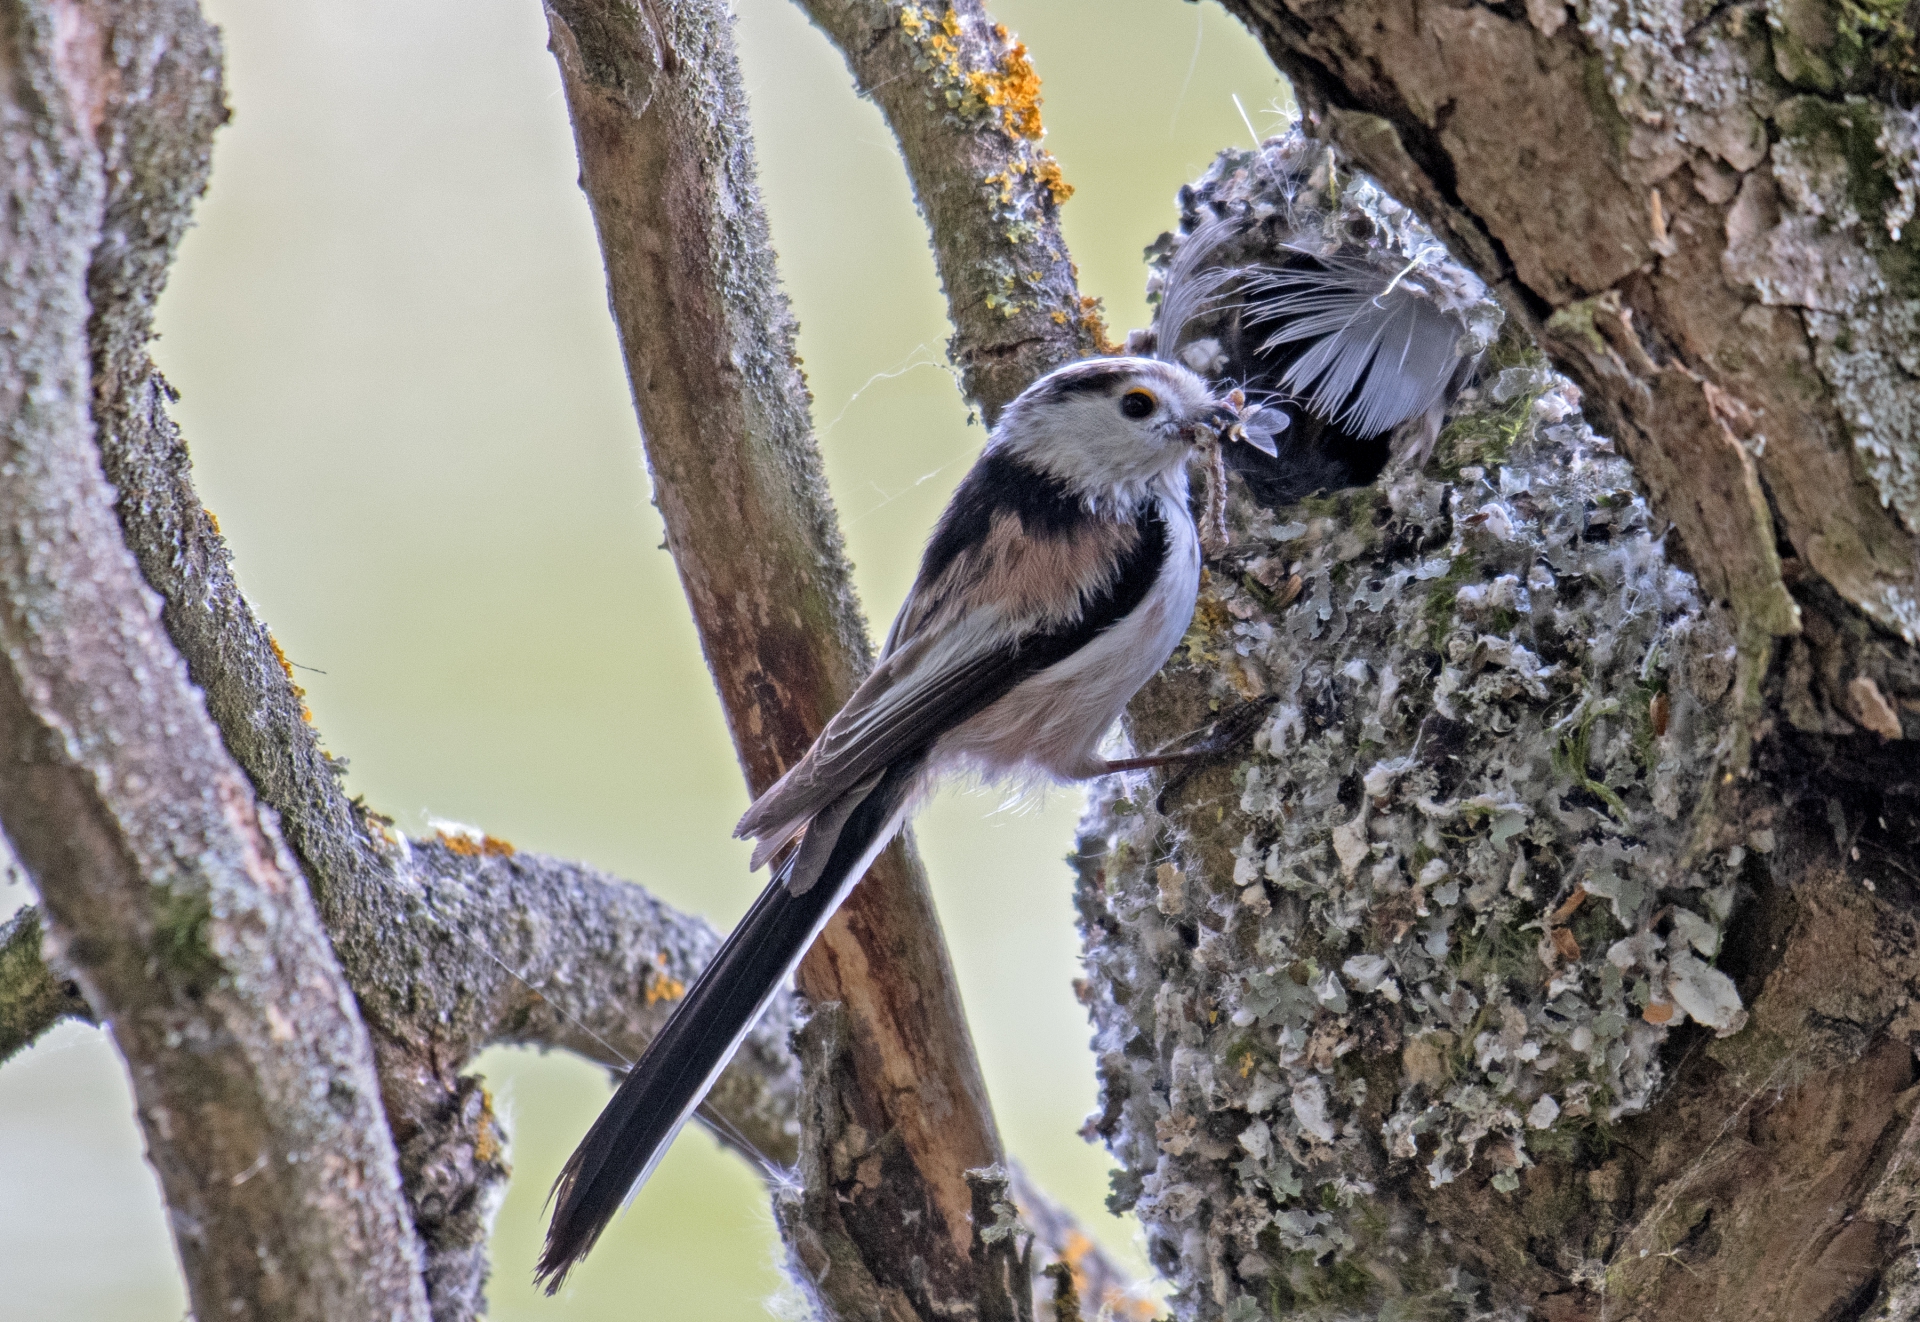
<point x="1553" y="949"/>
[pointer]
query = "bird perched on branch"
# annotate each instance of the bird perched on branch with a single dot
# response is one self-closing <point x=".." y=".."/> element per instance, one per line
<point x="1059" y="579"/>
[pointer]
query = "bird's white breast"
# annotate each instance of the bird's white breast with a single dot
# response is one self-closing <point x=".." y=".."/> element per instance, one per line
<point x="1053" y="721"/>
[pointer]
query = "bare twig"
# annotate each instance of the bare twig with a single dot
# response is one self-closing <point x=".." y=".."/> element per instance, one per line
<point x="165" y="882"/>
<point x="666" y="160"/>
<point x="964" y="104"/>
<point x="1092" y="1278"/>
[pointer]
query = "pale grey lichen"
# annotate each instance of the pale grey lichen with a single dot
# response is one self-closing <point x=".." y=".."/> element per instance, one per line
<point x="1826" y="258"/>
<point x="1899" y="144"/>
<point x="1680" y="75"/>
<point x="1469" y="689"/>
<point x="1822" y="222"/>
<point x="1440" y="925"/>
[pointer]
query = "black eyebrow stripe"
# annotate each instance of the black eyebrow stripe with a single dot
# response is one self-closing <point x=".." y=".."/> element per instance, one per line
<point x="1091" y="381"/>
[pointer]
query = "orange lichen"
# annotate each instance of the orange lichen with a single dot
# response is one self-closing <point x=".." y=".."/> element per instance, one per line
<point x="1211" y="613"/>
<point x="1114" y="1302"/>
<point x="377" y="824"/>
<point x="474" y="844"/>
<point x="1046" y="171"/>
<point x="1008" y="88"/>
<point x="212" y="518"/>
<point x="1093" y="320"/>
<point x="1043" y="170"/>
<point x="306" y="712"/>
<point x="1013" y="88"/>
<point x="663" y="987"/>
<point x="487" y="1147"/>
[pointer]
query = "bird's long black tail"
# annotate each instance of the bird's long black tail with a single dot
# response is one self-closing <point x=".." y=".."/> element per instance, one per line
<point x="678" y="1067"/>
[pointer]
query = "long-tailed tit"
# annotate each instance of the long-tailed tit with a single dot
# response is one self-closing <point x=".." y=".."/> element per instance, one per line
<point x="1059" y="579"/>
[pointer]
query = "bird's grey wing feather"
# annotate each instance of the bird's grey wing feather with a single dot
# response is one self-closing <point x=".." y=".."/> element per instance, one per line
<point x="1380" y="351"/>
<point x="950" y="655"/>
<point x="920" y="691"/>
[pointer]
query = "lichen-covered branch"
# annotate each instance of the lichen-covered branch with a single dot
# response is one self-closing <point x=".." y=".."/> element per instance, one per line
<point x="543" y="953"/>
<point x="1478" y="987"/>
<point x="33" y="997"/>
<point x="963" y="102"/>
<point x="666" y="160"/>
<point x="1093" y="1280"/>
<point x="166" y="885"/>
<point x="1703" y="213"/>
<point x="549" y="953"/>
<point x="432" y="937"/>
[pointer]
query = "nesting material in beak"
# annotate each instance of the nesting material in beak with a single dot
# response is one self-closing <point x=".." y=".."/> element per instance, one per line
<point x="1254" y="425"/>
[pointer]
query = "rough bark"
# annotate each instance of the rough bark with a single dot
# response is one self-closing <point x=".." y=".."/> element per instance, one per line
<point x="1485" y="984"/>
<point x="963" y="102"/>
<point x="1704" y="214"/>
<point x="541" y="952"/>
<point x="167" y="887"/>
<point x="666" y="161"/>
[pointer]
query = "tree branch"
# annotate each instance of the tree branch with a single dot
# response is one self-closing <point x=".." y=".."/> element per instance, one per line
<point x="450" y="944"/>
<point x="553" y="954"/>
<point x="964" y="105"/>
<point x="545" y="953"/>
<point x="666" y="161"/>
<point x="165" y="881"/>
<point x="414" y="944"/>
<point x="33" y="998"/>
<point x="556" y="955"/>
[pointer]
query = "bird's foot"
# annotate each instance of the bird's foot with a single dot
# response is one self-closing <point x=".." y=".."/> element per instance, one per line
<point x="1227" y="732"/>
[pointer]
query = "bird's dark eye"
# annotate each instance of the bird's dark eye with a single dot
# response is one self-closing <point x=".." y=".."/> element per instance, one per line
<point x="1137" y="404"/>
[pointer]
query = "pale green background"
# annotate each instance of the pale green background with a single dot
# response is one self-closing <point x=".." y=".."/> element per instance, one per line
<point x="404" y="401"/>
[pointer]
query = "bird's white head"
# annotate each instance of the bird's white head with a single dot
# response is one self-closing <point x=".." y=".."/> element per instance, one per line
<point x="1112" y="427"/>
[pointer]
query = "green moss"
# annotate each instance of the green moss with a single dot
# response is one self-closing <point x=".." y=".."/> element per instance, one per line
<point x="1594" y="82"/>
<point x="1341" y="1280"/>
<point x="1573" y="754"/>
<point x="1485" y="437"/>
<point x="1638" y="706"/>
<point x="1575" y="322"/>
<point x="1843" y="46"/>
<point x="1438" y="608"/>
<point x="181" y="937"/>
<point x="1505" y="952"/>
